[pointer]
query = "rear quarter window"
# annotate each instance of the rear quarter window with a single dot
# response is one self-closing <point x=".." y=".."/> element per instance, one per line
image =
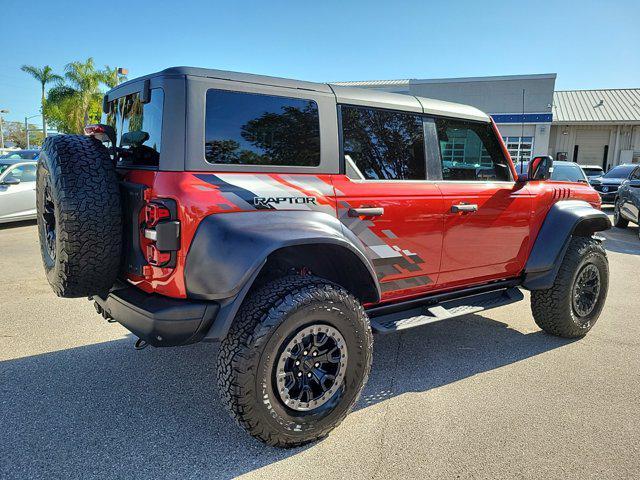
<point x="256" y="129"/>
<point x="138" y="128"/>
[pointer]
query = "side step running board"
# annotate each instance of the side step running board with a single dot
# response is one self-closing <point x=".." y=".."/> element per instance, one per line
<point x="418" y="316"/>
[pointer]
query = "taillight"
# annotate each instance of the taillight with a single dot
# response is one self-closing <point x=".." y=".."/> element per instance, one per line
<point x="157" y="258"/>
<point x="154" y="212"/>
<point x="161" y="231"/>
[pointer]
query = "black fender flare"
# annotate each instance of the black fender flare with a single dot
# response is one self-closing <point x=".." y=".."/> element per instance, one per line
<point x="565" y="219"/>
<point x="229" y="250"/>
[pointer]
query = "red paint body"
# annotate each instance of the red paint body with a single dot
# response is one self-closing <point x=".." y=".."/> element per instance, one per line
<point x="435" y="248"/>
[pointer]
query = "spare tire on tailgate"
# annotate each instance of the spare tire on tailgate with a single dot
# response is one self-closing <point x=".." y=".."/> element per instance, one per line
<point x="79" y="216"/>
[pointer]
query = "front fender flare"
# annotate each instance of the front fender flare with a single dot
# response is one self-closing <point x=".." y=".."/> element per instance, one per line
<point x="565" y="219"/>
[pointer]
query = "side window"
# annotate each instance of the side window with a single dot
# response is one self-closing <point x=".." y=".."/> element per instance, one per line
<point x="383" y="145"/>
<point x="636" y="174"/>
<point x="254" y="129"/>
<point x="29" y="173"/>
<point x="470" y="151"/>
<point x="24" y="173"/>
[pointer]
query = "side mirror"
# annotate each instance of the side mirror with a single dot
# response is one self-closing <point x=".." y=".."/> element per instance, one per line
<point x="635" y="183"/>
<point x="540" y="168"/>
<point x="11" y="181"/>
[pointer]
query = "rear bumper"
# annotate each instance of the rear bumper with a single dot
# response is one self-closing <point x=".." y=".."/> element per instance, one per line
<point x="158" y="320"/>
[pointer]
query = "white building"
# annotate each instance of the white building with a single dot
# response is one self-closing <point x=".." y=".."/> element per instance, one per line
<point x="587" y="126"/>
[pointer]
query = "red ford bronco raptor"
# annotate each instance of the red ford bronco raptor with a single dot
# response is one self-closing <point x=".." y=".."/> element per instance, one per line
<point x="288" y="220"/>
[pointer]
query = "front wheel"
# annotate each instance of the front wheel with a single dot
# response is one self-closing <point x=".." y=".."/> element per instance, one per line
<point x="618" y="221"/>
<point x="295" y="360"/>
<point x="571" y="307"/>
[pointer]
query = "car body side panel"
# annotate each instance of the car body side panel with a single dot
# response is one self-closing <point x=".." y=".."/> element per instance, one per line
<point x="17" y="202"/>
<point x="403" y="243"/>
<point x="490" y="243"/>
<point x="629" y="198"/>
<point x="199" y="195"/>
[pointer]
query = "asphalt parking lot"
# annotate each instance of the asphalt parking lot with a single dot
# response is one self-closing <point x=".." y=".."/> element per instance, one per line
<point x="484" y="396"/>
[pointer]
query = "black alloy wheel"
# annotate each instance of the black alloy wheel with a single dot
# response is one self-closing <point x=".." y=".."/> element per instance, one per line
<point x="586" y="290"/>
<point x="311" y="367"/>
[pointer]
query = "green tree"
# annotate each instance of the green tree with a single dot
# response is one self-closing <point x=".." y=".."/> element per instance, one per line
<point x="45" y="76"/>
<point x="78" y="100"/>
<point x="111" y="77"/>
<point x="85" y="80"/>
<point x="15" y="133"/>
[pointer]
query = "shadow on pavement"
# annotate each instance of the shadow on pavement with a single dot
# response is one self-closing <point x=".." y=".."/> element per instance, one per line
<point x="106" y="410"/>
<point x="22" y="223"/>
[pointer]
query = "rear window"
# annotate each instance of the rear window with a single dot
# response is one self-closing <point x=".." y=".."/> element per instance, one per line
<point x="592" y="171"/>
<point x="138" y="128"/>
<point x="567" y="173"/>
<point x="254" y="129"/>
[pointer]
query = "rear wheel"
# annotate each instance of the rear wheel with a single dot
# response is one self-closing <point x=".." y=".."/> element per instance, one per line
<point x="571" y="307"/>
<point x="618" y="221"/>
<point x="295" y="360"/>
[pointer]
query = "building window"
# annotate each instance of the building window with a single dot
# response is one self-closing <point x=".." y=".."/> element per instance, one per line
<point x="520" y="148"/>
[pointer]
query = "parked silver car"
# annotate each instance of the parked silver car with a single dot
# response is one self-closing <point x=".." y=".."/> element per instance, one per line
<point x="17" y="189"/>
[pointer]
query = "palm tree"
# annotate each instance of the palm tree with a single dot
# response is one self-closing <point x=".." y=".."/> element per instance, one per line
<point x="85" y="80"/>
<point x="111" y="77"/>
<point x="44" y="75"/>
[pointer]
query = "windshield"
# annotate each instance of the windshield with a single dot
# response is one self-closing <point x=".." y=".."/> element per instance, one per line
<point x="138" y="128"/>
<point x="567" y="173"/>
<point x="621" y="171"/>
<point x="4" y="167"/>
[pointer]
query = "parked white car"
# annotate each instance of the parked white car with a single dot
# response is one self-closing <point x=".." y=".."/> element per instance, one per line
<point x="17" y="189"/>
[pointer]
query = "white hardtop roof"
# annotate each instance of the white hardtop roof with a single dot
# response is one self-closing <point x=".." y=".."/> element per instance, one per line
<point x="400" y="101"/>
<point x="350" y="95"/>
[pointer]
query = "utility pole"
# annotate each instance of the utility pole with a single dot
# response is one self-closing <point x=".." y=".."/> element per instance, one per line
<point x="1" y="128"/>
<point x="26" y="128"/>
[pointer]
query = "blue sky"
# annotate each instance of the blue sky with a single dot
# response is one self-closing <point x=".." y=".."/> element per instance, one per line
<point x="588" y="44"/>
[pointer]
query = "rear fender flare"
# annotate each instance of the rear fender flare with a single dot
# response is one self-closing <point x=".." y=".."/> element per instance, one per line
<point x="565" y="219"/>
<point x="229" y="250"/>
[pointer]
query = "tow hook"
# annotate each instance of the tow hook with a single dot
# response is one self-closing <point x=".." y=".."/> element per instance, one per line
<point x="140" y="344"/>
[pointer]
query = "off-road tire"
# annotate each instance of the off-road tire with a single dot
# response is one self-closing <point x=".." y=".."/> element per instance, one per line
<point x="267" y="319"/>
<point x="618" y="220"/>
<point x="78" y="187"/>
<point x="553" y="308"/>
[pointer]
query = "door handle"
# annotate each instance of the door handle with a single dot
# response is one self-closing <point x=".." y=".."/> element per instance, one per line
<point x="464" y="207"/>
<point x="366" y="212"/>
